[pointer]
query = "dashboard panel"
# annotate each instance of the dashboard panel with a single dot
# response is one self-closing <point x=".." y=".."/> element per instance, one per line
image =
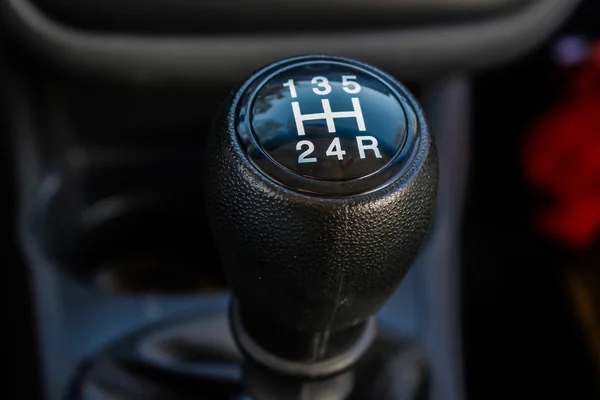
<point x="196" y="16"/>
<point x="414" y="50"/>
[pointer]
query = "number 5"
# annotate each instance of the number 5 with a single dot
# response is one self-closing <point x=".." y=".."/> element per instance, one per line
<point x="350" y="86"/>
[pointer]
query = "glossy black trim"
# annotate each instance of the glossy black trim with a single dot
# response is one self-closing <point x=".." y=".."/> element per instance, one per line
<point x="244" y="100"/>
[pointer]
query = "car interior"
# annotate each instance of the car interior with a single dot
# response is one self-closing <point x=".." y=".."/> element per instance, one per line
<point x="328" y="200"/>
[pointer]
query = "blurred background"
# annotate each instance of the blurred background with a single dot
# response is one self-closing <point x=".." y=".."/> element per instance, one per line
<point x="529" y="271"/>
<point x="530" y="256"/>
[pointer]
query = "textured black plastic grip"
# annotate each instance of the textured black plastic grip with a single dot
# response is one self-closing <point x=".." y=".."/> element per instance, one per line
<point x="310" y="263"/>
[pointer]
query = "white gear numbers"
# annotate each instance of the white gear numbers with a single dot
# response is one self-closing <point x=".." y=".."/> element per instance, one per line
<point x="321" y="87"/>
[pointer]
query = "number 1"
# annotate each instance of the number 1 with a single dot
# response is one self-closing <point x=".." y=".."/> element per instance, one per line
<point x="290" y="84"/>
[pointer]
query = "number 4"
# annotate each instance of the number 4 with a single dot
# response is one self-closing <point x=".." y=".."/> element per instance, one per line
<point x="335" y="149"/>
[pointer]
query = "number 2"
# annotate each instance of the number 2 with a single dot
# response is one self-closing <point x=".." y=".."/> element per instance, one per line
<point x="311" y="147"/>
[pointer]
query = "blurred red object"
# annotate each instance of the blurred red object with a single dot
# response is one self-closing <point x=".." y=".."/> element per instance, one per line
<point x="562" y="159"/>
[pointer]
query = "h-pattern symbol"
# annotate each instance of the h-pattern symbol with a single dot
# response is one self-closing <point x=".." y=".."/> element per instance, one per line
<point x="328" y="115"/>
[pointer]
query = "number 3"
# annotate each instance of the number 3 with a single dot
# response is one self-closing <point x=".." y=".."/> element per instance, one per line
<point x="323" y="83"/>
<point x="350" y="86"/>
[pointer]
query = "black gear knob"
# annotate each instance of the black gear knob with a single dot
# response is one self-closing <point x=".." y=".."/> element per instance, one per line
<point x="321" y="181"/>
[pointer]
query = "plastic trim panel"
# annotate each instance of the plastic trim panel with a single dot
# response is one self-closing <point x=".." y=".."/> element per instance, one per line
<point x="414" y="52"/>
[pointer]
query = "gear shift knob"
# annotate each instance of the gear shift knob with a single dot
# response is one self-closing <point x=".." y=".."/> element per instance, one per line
<point x="321" y="180"/>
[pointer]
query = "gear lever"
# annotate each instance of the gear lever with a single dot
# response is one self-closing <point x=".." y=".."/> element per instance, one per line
<point x="321" y="181"/>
